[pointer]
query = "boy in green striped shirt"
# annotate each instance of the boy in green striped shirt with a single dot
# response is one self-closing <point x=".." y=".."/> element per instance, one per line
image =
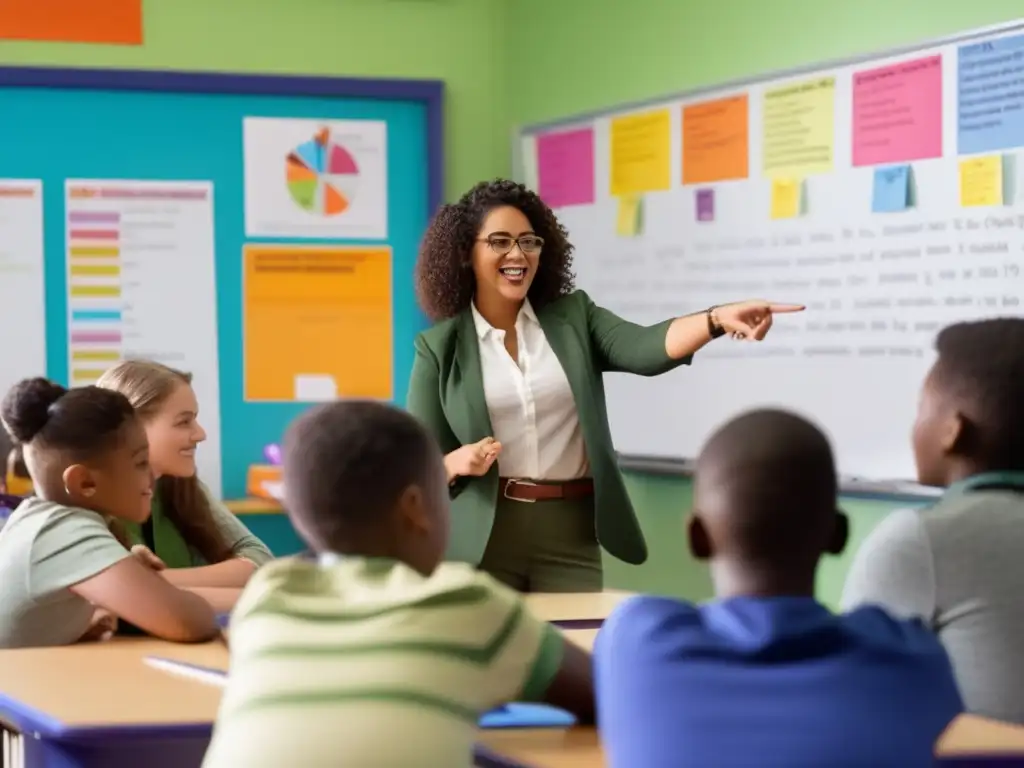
<point x="377" y="653"/>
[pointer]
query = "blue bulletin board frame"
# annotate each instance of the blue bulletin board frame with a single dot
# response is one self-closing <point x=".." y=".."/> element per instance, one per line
<point x="413" y="110"/>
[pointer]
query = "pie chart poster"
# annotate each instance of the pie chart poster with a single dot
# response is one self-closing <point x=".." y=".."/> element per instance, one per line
<point x="315" y="179"/>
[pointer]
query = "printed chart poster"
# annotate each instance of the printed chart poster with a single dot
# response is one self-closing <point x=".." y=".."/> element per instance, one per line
<point x="317" y="322"/>
<point x="134" y="250"/>
<point x="320" y="179"/>
<point x="23" y="309"/>
<point x="897" y="112"/>
<point x="990" y="108"/>
<point x="799" y="122"/>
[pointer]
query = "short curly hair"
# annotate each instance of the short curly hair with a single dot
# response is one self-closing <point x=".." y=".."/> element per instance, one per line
<point x="444" y="275"/>
<point x="981" y="366"/>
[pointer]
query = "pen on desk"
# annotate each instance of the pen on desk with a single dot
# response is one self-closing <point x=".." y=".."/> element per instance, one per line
<point x="208" y="675"/>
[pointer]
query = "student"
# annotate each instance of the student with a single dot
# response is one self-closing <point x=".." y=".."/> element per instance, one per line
<point x="958" y="564"/>
<point x="63" y="575"/>
<point x="765" y="675"/>
<point x="378" y="654"/>
<point x="200" y="541"/>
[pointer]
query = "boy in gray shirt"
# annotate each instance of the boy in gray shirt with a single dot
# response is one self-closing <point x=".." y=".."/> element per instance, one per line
<point x="959" y="564"/>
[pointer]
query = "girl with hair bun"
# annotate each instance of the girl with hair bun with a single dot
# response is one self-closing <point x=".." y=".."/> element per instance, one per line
<point x="65" y="576"/>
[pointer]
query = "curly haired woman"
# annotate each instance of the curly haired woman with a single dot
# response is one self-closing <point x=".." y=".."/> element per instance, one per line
<point x="509" y="380"/>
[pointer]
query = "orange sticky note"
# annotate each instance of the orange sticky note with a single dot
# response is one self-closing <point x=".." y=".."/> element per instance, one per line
<point x="716" y="145"/>
<point x="72" y="21"/>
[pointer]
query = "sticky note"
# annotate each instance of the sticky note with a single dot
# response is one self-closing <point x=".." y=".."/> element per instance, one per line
<point x="705" y="199"/>
<point x="627" y="223"/>
<point x="981" y="181"/>
<point x="641" y="153"/>
<point x="786" y="198"/>
<point x="891" y="190"/>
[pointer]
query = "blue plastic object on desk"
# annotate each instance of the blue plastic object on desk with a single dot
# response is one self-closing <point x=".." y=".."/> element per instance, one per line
<point x="520" y="715"/>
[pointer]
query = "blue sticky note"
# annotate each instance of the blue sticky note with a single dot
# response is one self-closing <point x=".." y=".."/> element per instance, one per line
<point x="520" y="715"/>
<point x="891" y="191"/>
<point x="990" y="102"/>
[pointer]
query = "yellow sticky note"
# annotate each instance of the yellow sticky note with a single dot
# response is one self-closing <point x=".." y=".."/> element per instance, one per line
<point x="798" y="128"/>
<point x="641" y="153"/>
<point x="786" y="198"/>
<point x="627" y="223"/>
<point x="981" y="181"/>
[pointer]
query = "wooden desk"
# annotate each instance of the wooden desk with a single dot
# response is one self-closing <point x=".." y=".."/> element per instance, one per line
<point x="540" y="748"/>
<point x="254" y="506"/>
<point x="970" y="735"/>
<point x="583" y="610"/>
<point x="100" y="705"/>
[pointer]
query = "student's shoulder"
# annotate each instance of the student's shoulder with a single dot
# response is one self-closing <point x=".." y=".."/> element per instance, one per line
<point x="878" y="630"/>
<point x="47" y="516"/>
<point x="635" y="621"/>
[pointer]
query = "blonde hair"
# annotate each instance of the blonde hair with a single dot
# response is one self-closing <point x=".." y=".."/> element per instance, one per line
<point x="148" y="385"/>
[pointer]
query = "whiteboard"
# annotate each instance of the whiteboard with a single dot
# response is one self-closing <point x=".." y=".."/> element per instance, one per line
<point x="878" y="285"/>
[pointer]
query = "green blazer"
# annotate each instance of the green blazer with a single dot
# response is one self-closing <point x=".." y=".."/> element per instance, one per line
<point x="446" y="394"/>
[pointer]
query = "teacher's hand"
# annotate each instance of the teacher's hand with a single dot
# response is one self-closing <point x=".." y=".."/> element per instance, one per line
<point x="472" y="460"/>
<point x="751" y="320"/>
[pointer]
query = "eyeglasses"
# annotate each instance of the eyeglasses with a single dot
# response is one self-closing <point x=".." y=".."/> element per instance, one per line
<point x="503" y="244"/>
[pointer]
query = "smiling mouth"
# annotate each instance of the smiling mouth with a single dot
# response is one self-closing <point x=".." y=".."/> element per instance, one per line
<point x="513" y="274"/>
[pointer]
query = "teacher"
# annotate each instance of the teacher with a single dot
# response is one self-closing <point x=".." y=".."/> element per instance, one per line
<point x="509" y="380"/>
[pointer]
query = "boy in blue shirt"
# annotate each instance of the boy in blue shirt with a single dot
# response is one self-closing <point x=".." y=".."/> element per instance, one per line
<point x="765" y="675"/>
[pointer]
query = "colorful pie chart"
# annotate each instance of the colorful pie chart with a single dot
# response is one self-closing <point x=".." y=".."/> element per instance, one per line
<point x="322" y="176"/>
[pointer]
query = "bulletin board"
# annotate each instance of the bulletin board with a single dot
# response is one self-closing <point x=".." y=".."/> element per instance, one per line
<point x="883" y="192"/>
<point x="272" y="225"/>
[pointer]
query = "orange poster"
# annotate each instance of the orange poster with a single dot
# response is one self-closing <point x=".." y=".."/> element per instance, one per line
<point x="116" y="22"/>
<point x="716" y="143"/>
<point x="317" y="322"/>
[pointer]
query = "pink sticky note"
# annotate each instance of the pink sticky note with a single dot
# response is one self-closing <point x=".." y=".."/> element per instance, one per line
<point x="565" y="167"/>
<point x="897" y="112"/>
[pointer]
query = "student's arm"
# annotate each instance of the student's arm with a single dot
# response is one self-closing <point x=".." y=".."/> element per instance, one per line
<point x="537" y="662"/>
<point x="221" y="599"/>
<point x="249" y="553"/>
<point x="572" y="687"/>
<point x="75" y="550"/>
<point x="138" y="595"/>
<point x="894" y="568"/>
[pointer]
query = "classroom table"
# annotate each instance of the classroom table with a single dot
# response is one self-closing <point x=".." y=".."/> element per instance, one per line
<point x="575" y="610"/>
<point x="99" y="705"/>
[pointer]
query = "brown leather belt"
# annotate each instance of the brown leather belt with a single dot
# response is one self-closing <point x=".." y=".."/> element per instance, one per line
<point x="529" y="491"/>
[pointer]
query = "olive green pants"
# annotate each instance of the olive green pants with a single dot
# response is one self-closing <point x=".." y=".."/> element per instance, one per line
<point x="545" y="546"/>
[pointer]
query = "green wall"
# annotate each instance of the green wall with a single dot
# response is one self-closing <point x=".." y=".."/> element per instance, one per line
<point x="458" y="41"/>
<point x="578" y="57"/>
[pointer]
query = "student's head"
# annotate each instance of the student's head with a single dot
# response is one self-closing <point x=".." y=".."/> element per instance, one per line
<point x="470" y="245"/>
<point x="765" y="504"/>
<point x="164" y="399"/>
<point x="365" y="478"/>
<point x="84" y="447"/>
<point x="166" y="403"/>
<point x="970" y="416"/>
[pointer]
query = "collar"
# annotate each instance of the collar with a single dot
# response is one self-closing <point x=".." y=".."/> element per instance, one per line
<point x="987" y="479"/>
<point x="483" y="327"/>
